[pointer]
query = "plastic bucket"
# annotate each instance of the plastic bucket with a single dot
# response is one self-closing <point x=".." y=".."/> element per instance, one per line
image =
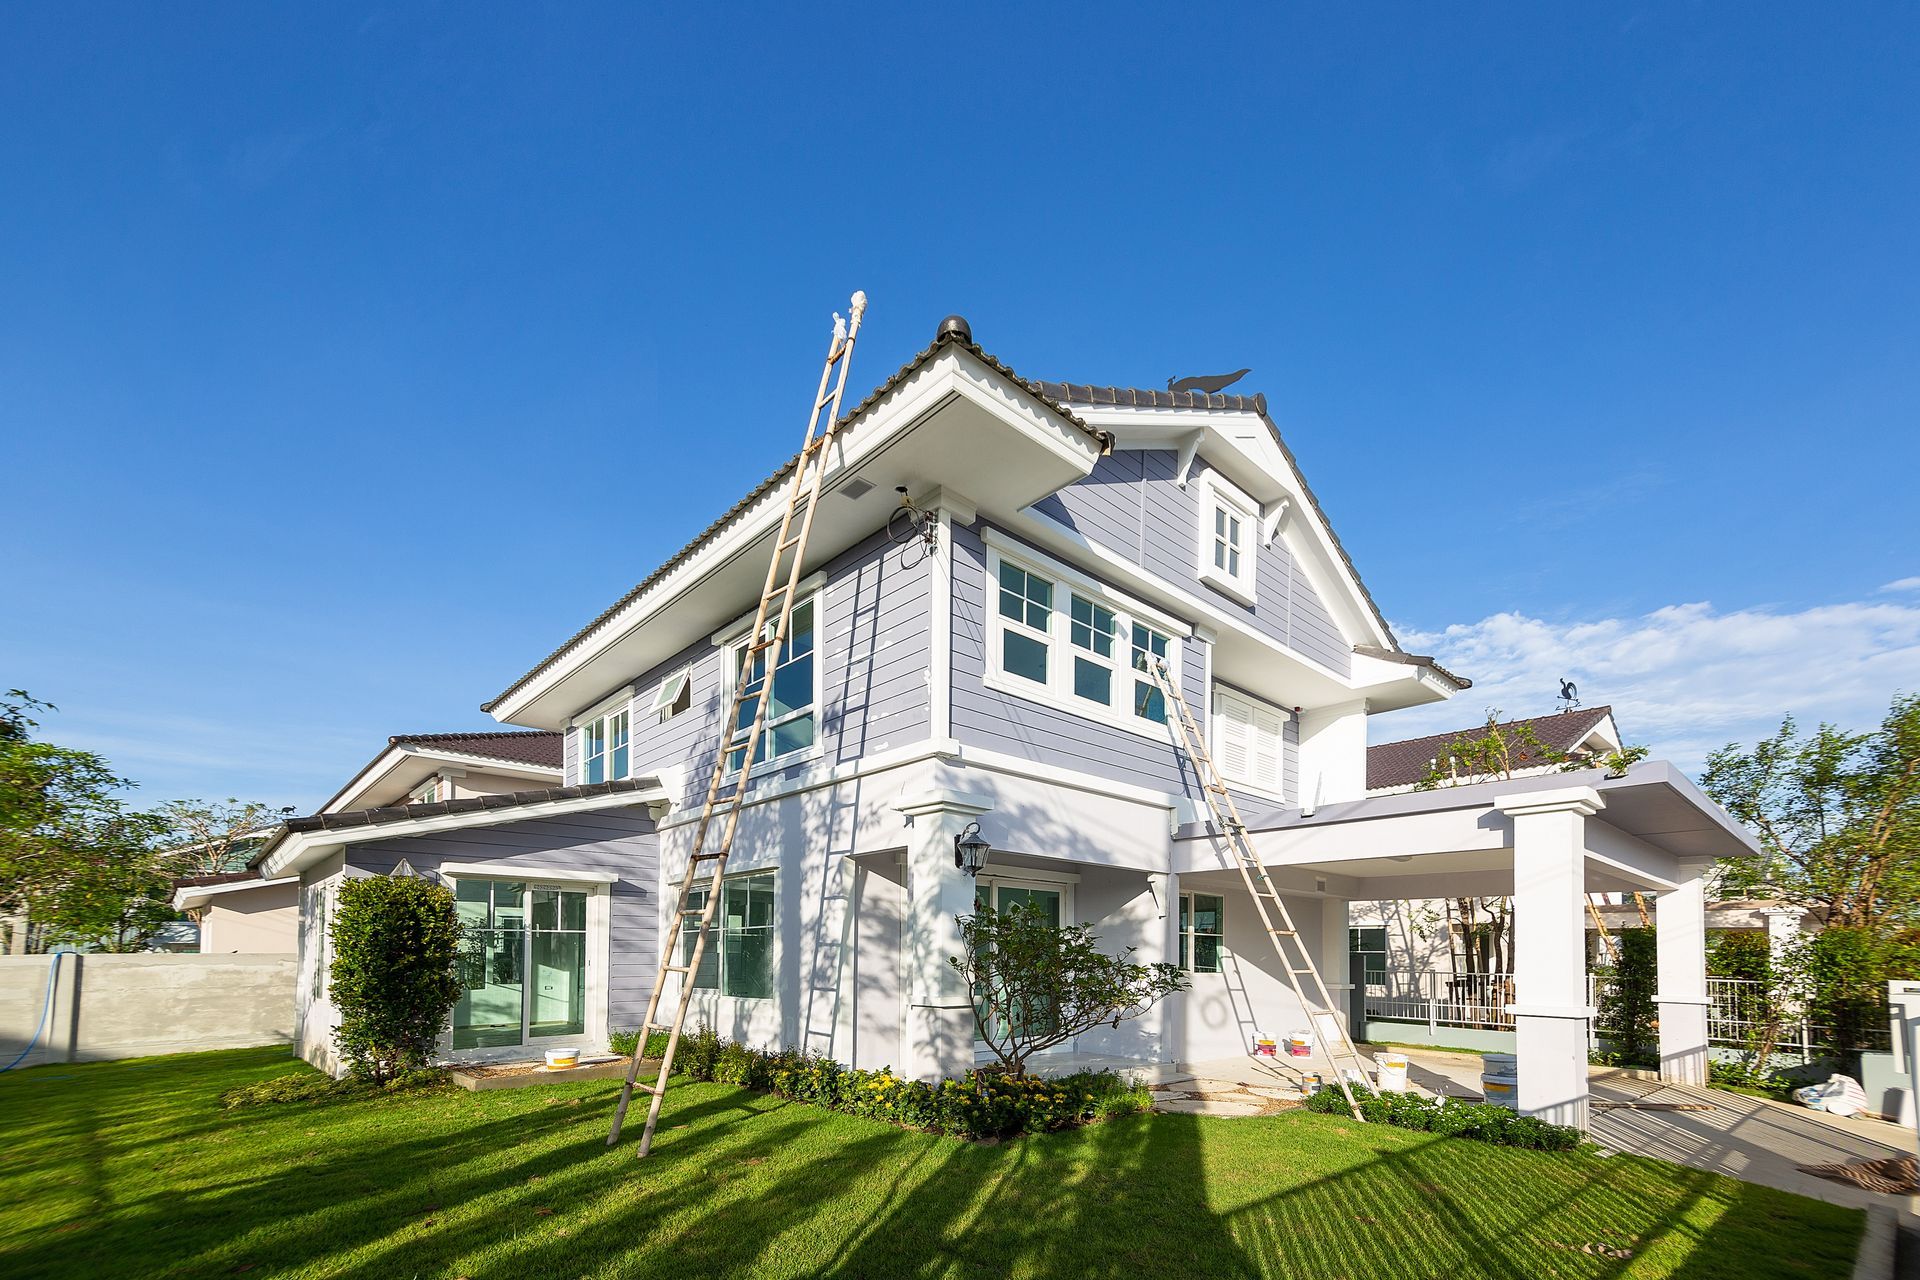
<point x="560" y="1059"/>
<point x="1392" y="1074"/>
<point x="1300" y="1044"/>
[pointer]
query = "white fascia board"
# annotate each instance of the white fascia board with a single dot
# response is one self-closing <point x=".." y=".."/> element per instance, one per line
<point x="1241" y="437"/>
<point x="302" y="849"/>
<point x="516" y="871"/>
<point x="953" y="372"/>
<point x="402" y="754"/>
<point x="185" y="899"/>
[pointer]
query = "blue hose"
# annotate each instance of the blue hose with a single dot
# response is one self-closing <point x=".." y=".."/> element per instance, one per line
<point x="46" y="1006"/>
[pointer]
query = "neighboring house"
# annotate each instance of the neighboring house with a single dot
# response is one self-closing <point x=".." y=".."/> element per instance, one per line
<point x="238" y="911"/>
<point x="993" y="674"/>
<point x="1417" y="936"/>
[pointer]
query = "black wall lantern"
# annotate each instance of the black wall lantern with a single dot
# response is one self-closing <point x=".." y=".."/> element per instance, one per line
<point x="969" y="850"/>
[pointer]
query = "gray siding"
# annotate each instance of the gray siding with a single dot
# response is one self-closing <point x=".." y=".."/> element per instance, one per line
<point x="619" y="841"/>
<point x="1033" y="731"/>
<point x="872" y="638"/>
<point x="1131" y="505"/>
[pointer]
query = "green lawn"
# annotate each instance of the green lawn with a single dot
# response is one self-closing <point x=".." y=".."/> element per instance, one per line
<point x="132" y="1169"/>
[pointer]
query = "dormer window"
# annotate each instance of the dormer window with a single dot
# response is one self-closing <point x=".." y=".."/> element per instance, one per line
<point x="427" y="794"/>
<point x="1229" y="521"/>
<point x="604" y="748"/>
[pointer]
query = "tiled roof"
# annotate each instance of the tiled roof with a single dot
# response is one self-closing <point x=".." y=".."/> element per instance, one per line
<point x="465" y="804"/>
<point x="1139" y="397"/>
<point x="539" y="747"/>
<point x="1402" y="764"/>
<point x="944" y="339"/>
<point x="1411" y="660"/>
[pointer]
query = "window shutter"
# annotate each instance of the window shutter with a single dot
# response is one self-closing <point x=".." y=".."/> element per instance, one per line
<point x="1236" y="736"/>
<point x="1266" y="754"/>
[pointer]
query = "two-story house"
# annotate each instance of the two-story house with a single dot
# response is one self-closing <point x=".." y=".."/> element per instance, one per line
<point x="983" y="662"/>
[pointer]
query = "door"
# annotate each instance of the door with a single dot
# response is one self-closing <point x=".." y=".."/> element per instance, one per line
<point x="524" y="964"/>
<point x="1003" y="895"/>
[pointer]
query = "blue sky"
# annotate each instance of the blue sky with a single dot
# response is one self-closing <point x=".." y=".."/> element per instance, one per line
<point x="349" y="360"/>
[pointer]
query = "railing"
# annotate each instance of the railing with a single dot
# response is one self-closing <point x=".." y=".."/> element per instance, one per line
<point x="1736" y="1008"/>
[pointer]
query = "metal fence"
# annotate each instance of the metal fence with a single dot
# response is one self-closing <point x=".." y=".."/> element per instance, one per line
<point x="1737" y="1008"/>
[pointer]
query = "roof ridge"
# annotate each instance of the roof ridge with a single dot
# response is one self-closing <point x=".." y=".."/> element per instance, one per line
<point x="1604" y="708"/>
<point x="473" y="733"/>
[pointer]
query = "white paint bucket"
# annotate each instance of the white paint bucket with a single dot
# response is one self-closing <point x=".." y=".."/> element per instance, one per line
<point x="561" y="1059"/>
<point x="1392" y="1074"/>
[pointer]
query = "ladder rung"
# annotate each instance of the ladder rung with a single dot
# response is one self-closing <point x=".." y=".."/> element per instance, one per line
<point x="1283" y="933"/>
<point x="1216" y="788"/>
<point x="678" y="968"/>
<point x="710" y="856"/>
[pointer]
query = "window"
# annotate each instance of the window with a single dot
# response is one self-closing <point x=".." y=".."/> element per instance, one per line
<point x="523" y="964"/>
<point x="1369" y="947"/>
<point x="427" y="794"/>
<point x="675" y="695"/>
<point x="604" y="748"/>
<point x="1228" y="542"/>
<point x="739" y="961"/>
<point x="789" y="728"/>
<point x="1248" y="736"/>
<point x="1091" y="656"/>
<point x="1203" y="932"/>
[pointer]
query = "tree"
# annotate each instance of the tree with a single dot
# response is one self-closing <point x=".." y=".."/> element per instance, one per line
<point x="48" y="795"/>
<point x="1837" y="816"/>
<point x="209" y="837"/>
<point x="396" y="941"/>
<point x="1037" y="984"/>
<point x="114" y="890"/>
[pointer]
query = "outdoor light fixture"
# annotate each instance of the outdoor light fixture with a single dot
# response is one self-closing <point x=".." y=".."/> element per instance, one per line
<point x="969" y="850"/>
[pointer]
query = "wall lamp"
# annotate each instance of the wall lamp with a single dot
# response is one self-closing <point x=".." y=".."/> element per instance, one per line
<point x="970" y="850"/>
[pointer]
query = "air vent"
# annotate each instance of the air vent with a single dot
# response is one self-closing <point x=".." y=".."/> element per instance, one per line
<point x="856" y="488"/>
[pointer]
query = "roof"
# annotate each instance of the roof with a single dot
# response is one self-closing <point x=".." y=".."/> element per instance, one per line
<point x="1411" y="660"/>
<point x="354" y="818"/>
<point x="1137" y="397"/>
<point x="944" y="339"/>
<point x="542" y="747"/>
<point x="223" y="877"/>
<point x="1404" y="763"/>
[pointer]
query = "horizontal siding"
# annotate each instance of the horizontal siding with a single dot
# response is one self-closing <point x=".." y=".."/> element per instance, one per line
<point x="1132" y="504"/>
<point x="873" y="639"/>
<point x="618" y="842"/>
<point x="1037" y="732"/>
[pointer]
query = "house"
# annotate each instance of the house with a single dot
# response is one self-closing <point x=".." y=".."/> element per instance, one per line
<point x="979" y="665"/>
<point x="241" y="912"/>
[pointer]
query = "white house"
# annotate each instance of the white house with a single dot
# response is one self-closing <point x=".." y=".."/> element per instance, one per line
<point x="991" y="673"/>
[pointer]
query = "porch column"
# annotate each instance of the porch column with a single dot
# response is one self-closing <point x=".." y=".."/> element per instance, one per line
<point x="939" y="1032"/>
<point x="1550" y="966"/>
<point x="1680" y="932"/>
<point x="1335" y="961"/>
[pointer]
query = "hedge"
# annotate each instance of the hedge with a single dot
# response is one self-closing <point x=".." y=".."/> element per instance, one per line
<point x="1453" y="1117"/>
<point x="978" y="1107"/>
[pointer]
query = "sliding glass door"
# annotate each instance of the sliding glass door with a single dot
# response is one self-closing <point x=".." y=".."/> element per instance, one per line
<point x="1000" y="895"/>
<point x="524" y="964"/>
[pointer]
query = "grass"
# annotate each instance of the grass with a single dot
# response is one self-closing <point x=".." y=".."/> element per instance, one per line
<point x="133" y="1168"/>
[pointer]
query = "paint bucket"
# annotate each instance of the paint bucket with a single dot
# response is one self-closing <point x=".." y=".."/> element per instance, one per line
<point x="1300" y="1044"/>
<point x="1392" y="1074"/>
<point x="1500" y="1080"/>
<point x="1265" y="1048"/>
<point x="561" y="1059"/>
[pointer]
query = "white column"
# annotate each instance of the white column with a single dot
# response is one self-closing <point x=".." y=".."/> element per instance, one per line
<point x="1551" y="1013"/>
<point x="939" y="1035"/>
<point x="1335" y="961"/>
<point x="1163" y="944"/>
<point x="1680" y="933"/>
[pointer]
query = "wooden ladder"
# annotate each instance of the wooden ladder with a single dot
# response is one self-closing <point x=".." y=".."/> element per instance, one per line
<point x="727" y="787"/>
<point x="1284" y="935"/>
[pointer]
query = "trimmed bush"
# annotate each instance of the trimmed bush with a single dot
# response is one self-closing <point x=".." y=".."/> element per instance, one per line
<point x="396" y="940"/>
<point x="1451" y="1117"/>
<point x="981" y="1106"/>
<point x="622" y="1043"/>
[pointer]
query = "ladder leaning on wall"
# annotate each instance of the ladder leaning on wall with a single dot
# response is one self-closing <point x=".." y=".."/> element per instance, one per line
<point x="727" y="787"/>
<point x="1274" y="916"/>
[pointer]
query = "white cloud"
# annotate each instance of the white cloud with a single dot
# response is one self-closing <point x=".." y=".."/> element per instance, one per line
<point x="1903" y="584"/>
<point x="1684" y="679"/>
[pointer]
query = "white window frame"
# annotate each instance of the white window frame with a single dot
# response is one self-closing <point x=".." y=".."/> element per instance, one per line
<point x="1188" y="933"/>
<point x="1058" y="691"/>
<point x="733" y="650"/>
<point x="1219" y="497"/>
<point x="428" y="793"/>
<point x="1218" y="726"/>
<point x="603" y="716"/>
<point x="716" y="948"/>
<point x="666" y="699"/>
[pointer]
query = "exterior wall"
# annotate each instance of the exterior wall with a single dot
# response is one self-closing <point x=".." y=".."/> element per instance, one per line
<point x="314" y="1017"/>
<point x="1132" y="505"/>
<point x="1041" y="733"/>
<point x="873" y="641"/>
<point x="1250" y="997"/>
<point x="254" y="921"/>
<point x="478" y="782"/>
<point x="130" y="1006"/>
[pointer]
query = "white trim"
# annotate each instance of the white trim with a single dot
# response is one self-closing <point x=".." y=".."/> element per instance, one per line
<point x="605" y="707"/>
<point x="596" y="1010"/>
<point x="1004" y="873"/>
<point x="940" y="594"/>
<point x="661" y="705"/>
<point x="189" y="896"/>
<point x="398" y="754"/>
<point x="1189" y="448"/>
<point x="1218" y="494"/>
<point x="513" y="871"/>
<point x="1276" y="512"/>
<point x="730" y="654"/>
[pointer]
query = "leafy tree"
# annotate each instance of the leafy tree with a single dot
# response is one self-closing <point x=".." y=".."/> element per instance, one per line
<point x="396" y="941"/>
<point x="114" y="890"/>
<point x="209" y="837"/>
<point x="1037" y="984"/>
<point x="1837" y="816"/>
<point x="1628" y="1017"/>
<point x="48" y="795"/>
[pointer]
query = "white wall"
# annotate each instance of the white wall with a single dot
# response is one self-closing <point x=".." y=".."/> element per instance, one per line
<point x="262" y="921"/>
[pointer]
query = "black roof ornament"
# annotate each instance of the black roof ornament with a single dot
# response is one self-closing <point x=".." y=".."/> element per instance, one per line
<point x="954" y="327"/>
<point x="1207" y="384"/>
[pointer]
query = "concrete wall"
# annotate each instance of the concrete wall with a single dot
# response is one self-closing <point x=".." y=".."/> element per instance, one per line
<point x="130" y="1006"/>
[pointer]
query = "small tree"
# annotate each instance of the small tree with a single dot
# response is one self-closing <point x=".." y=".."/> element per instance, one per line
<point x="1628" y="1016"/>
<point x="1037" y="984"/>
<point x="395" y="944"/>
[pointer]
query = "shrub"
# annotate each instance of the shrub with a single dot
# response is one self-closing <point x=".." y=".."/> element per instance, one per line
<point x="1628" y="1015"/>
<point x="622" y="1043"/>
<point x="1451" y="1117"/>
<point x="396" y="940"/>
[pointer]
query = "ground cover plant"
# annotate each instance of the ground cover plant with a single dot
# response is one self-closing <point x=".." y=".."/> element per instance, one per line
<point x="1453" y="1117"/>
<point x="135" y="1168"/>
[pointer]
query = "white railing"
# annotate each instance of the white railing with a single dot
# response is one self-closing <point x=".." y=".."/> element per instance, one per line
<point x="1736" y="1009"/>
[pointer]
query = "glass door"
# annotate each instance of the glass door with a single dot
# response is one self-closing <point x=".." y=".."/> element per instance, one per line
<point x="999" y="895"/>
<point x="523" y="966"/>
